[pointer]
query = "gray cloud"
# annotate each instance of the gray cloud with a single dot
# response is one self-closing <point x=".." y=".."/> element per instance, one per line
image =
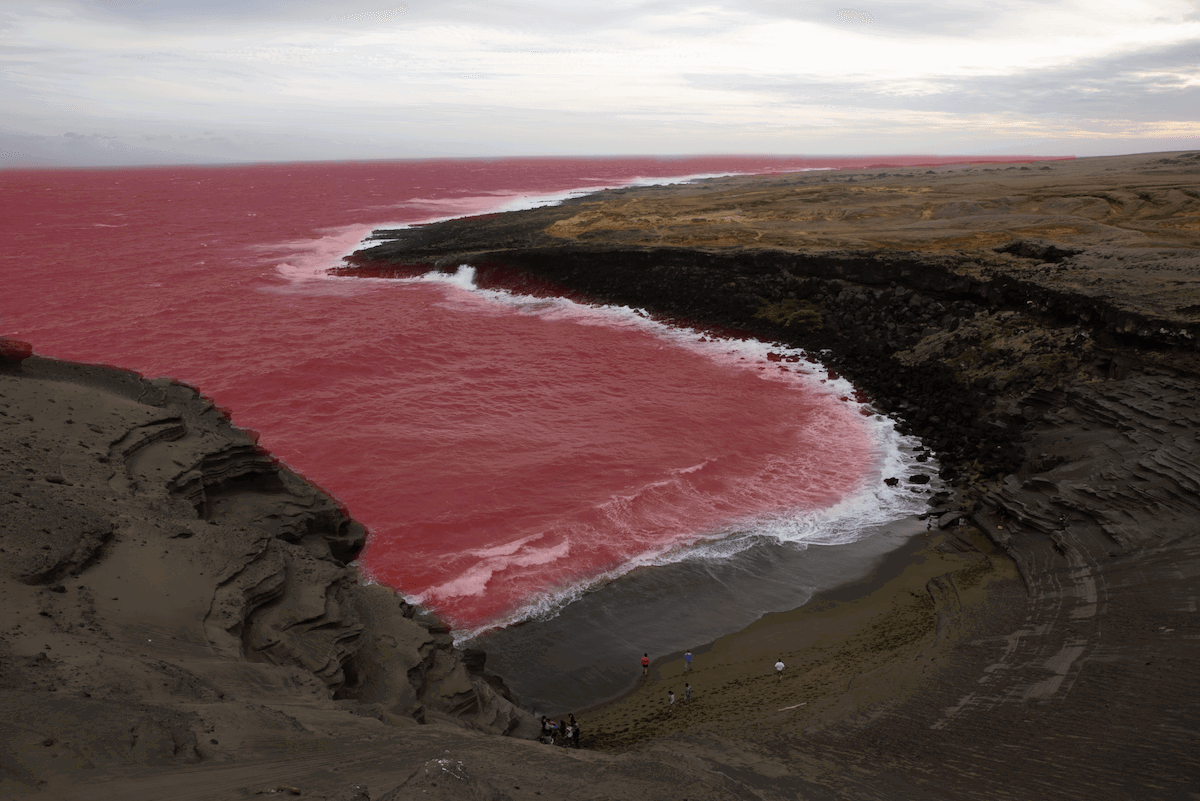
<point x="525" y="15"/>
<point x="437" y="88"/>
<point x="1122" y="87"/>
<point x="892" y="18"/>
<point x="232" y="13"/>
<point x="93" y="150"/>
<point x="222" y="145"/>
<point x="854" y="16"/>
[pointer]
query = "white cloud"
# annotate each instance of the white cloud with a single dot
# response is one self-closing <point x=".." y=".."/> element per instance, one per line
<point x="628" y="76"/>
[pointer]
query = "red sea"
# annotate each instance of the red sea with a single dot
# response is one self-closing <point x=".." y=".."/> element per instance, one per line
<point x="509" y="455"/>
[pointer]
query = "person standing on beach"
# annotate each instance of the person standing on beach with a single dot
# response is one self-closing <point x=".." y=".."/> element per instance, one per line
<point x="779" y="669"/>
<point x="687" y="693"/>
<point x="670" y="698"/>
<point x="687" y="660"/>
<point x="645" y="665"/>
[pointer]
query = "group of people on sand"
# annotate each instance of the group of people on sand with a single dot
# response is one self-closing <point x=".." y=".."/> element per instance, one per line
<point x="687" y="695"/>
<point x="564" y="733"/>
<point x="687" y="688"/>
<point x="687" y="663"/>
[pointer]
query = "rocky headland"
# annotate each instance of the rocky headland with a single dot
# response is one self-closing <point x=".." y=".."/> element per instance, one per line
<point x="1038" y="326"/>
<point x="181" y="617"/>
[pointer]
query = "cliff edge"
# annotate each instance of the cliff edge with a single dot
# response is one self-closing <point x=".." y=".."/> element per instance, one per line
<point x="174" y="597"/>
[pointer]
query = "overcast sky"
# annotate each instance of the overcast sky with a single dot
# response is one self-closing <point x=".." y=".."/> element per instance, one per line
<point x="154" y="81"/>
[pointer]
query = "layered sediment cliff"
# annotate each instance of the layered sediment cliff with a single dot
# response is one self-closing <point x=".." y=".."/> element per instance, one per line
<point x="170" y="590"/>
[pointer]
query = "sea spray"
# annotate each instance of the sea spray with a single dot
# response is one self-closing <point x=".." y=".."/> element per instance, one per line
<point x="855" y="516"/>
<point x="383" y="392"/>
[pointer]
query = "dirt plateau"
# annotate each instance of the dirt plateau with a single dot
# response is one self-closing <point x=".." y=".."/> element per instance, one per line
<point x="179" y="619"/>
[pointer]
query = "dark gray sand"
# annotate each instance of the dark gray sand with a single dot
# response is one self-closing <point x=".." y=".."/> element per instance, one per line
<point x="590" y="652"/>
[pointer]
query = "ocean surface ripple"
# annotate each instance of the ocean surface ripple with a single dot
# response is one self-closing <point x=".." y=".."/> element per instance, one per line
<point x="511" y="456"/>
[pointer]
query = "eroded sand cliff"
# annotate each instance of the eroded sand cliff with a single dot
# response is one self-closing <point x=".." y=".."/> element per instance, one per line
<point x="173" y="597"/>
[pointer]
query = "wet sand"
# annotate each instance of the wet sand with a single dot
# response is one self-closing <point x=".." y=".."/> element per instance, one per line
<point x="589" y="653"/>
<point x="884" y="621"/>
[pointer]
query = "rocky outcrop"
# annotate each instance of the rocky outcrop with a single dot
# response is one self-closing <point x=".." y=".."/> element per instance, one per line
<point x="184" y="580"/>
<point x="410" y="670"/>
<point x="14" y="351"/>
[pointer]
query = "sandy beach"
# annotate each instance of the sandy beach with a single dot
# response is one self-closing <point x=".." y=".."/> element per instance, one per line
<point x="879" y="632"/>
<point x="584" y="652"/>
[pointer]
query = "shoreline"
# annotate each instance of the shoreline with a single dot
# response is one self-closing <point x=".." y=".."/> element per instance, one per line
<point x="584" y="652"/>
<point x="1035" y="327"/>
<point x="825" y="644"/>
<point x="1041" y="323"/>
<point x="670" y="666"/>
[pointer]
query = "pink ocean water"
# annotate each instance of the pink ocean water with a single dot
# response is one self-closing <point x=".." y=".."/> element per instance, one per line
<point x="502" y="451"/>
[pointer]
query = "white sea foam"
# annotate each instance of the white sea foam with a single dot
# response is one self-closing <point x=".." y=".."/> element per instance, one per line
<point x="314" y="258"/>
<point x="503" y="549"/>
<point x="306" y="270"/>
<point x="475" y="579"/>
<point x="854" y="517"/>
<point x="523" y="202"/>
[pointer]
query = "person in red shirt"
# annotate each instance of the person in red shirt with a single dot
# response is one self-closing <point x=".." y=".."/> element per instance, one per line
<point x="645" y="665"/>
